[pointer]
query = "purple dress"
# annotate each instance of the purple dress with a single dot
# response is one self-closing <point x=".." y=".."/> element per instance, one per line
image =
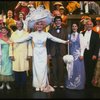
<point x="77" y="81"/>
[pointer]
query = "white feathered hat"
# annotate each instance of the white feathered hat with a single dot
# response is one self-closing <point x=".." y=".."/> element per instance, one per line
<point x="38" y="14"/>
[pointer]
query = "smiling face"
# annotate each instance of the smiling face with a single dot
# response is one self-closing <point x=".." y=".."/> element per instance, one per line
<point x="58" y="21"/>
<point x="10" y="14"/>
<point x="4" y="32"/>
<point x="74" y="27"/>
<point x="40" y="26"/>
<point x="21" y="16"/>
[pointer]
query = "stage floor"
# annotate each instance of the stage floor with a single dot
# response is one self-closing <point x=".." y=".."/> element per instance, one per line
<point x="30" y="93"/>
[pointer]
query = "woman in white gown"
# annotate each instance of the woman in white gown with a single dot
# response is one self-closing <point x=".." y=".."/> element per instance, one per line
<point x="39" y="37"/>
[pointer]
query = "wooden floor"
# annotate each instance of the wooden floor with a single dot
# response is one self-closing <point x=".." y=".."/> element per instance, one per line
<point x="30" y="93"/>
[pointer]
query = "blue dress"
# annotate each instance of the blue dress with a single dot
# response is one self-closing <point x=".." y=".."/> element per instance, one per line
<point x="6" y="73"/>
<point x="77" y="81"/>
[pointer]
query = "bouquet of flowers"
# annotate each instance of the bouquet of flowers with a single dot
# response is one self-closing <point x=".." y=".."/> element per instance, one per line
<point x="72" y="6"/>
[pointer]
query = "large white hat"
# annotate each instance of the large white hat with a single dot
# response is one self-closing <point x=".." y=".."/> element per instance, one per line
<point x="39" y="14"/>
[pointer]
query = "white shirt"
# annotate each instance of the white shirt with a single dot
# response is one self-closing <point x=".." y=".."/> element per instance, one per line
<point x="82" y="45"/>
<point x="87" y="39"/>
<point x="19" y="32"/>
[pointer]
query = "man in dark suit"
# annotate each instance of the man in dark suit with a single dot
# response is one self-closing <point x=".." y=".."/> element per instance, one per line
<point x="57" y="51"/>
<point x="91" y="52"/>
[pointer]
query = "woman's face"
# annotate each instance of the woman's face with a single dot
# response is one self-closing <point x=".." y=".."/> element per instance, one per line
<point x="74" y="27"/>
<point x="10" y="14"/>
<point x="4" y="32"/>
<point x="39" y="26"/>
<point x="21" y="16"/>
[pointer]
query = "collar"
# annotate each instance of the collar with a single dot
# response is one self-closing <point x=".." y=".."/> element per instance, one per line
<point x="75" y="33"/>
<point x="89" y="31"/>
<point x="58" y="27"/>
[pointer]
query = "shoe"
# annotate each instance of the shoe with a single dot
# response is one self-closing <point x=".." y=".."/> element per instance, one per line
<point x="37" y="89"/>
<point x="55" y="86"/>
<point x="61" y="86"/>
<point x="2" y="86"/>
<point x="42" y="88"/>
<point x="49" y="89"/>
<point x="8" y="87"/>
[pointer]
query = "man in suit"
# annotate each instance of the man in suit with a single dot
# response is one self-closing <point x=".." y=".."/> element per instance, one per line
<point x="91" y="40"/>
<point x="57" y="51"/>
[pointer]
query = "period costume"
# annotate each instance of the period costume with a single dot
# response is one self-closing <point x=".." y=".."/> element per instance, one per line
<point x="57" y="51"/>
<point x="40" y="78"/>
<point x="21" y="8"/>
<point x="91" y="39"/>
<point x="20" y="52"/>
<point x="76" y="76"/>
<point x="10" y="22"/>
<point x="6" y="73"/>
<point x="39" y="38"/>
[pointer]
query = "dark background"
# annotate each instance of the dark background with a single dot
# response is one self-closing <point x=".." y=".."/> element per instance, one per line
<point x="6" y="5"/>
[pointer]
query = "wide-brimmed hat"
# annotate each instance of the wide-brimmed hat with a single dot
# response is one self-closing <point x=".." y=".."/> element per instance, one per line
<point x="38" y="14"/>
<point x="58" y="3"/>
<point x="62" y="7"/>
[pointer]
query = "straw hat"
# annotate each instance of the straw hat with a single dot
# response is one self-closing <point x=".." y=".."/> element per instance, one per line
<point x="58" y="3"/>
<point x="62" y="7"/>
